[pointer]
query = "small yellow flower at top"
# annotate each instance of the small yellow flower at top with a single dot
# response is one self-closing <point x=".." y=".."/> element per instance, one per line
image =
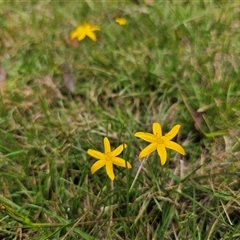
<point x="159" y="142"/>
<point x="108" y="158"/>
<point x="85" y="30"/>
<point x="121" y="21"/>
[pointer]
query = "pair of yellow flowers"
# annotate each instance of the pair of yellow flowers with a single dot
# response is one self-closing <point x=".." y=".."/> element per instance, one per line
<point x="157" y="142"/>
<point x="87" y="29"/>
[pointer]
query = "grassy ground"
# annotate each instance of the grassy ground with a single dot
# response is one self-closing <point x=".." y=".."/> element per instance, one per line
<point x="175" y="62"/>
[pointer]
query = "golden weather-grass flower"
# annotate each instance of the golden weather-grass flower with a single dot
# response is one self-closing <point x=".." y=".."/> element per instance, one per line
<point x="121" y="21"/>
<point x="159" y="142"/>
<point x="84" y="30"/>
<point x="108" y="158"/>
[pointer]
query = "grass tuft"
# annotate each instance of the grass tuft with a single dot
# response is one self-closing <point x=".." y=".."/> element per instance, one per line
<point x="172" y="63"/>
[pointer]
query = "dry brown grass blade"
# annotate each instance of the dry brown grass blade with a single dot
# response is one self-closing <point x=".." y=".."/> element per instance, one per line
<point x="3" y="77"/>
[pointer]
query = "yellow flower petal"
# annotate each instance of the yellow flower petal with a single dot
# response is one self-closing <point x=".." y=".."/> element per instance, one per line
<point x="175" y="146"/>
<point x="95" y="28"/>
<point x="95" y="154"/>
<point x="148" y="137"/>
<point x="80" y="36"/>
<point x="73" y="34"/>
<point x="147" y="150"/>
<point x="92" y="35"/>
<point x="118" y="150"/>
<point x="157" y="130"/>
<point x="121" y="162"/>
<point x="173" y="132"/>
<point x="121" y="21"/>
<point x="97" y="165"/>
<point x="109" y="170"/>
<point x="162" y="153"/>
<point x="106" y="144"/>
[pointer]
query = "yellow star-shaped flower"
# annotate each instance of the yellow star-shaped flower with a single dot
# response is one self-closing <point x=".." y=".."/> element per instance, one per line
<point x="108" y="158"/>
<point x="85" y="30"/>
<point x="159" y="142"/>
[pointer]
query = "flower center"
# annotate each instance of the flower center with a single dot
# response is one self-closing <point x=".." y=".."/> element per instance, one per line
<point x="159" y="139"/>
<point x="108" y="156"/>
